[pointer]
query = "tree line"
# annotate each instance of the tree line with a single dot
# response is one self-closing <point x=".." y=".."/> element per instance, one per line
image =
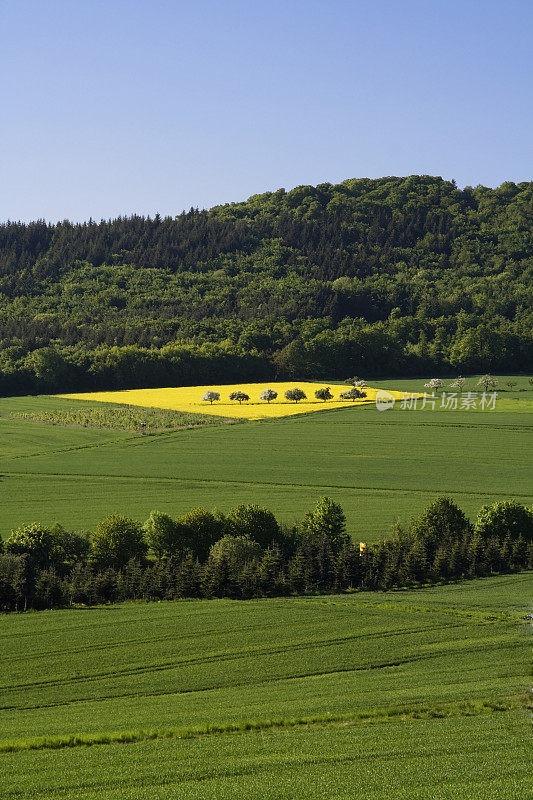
<point x="293" y="395"/>
<point x="381" y="277"/>
<point x="246" y="553"/>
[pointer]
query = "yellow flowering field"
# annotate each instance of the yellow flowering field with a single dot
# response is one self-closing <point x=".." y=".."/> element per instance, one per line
<point x="189" y="398"/>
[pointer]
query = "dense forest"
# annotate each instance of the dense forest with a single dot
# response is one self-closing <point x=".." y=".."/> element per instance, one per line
<point x="368" y="277"/>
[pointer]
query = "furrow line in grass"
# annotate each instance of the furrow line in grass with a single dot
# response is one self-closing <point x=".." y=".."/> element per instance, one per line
<point x="344" y="487"/>
<point x="75" y="448"/>
<point x="136" y="641"/>
<point x="221" y="657"/>
<point x="229" y="656"/>
<point x="398" y="662"/>
<point x="215" y="688"/>
<point x="473" y="614"/>
<point x="386" y="714"/>
<point x="513" y="426"/>
<point x="343" y="601"/>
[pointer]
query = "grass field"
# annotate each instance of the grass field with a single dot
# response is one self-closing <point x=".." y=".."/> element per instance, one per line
<point x="415" y="694"/>
<point x="379" y="465"/>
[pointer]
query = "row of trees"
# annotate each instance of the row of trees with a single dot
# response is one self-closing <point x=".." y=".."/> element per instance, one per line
<point x="247" y="553"/>
<point x="486" y="382"/>
<point x="294" y="395"/>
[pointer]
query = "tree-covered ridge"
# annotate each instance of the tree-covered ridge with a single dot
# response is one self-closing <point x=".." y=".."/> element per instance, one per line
<point x="368" y="276"/>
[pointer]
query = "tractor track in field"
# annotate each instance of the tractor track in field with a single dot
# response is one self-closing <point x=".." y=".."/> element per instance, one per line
<point x="236" y="482"/>
<point x="417" y="711"/>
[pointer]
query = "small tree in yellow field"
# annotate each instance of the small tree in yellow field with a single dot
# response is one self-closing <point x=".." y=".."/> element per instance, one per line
<point x="210" y="397"/>
<point x="268" y="395"/>
<point x="239" y="396"/>
<point x="323" y="394"/>
<point x="295" y="395"/>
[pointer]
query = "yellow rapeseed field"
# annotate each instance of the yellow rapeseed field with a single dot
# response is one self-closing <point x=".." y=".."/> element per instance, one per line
<point x="189" y="398"/>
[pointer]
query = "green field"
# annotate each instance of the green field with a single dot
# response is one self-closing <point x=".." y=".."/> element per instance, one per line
<point x="416" y="694"/>
<point x="407" y="695"/>
<point x="379" y="465"/>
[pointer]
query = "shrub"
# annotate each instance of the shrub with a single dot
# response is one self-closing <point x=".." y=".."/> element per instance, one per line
<point x="205" y="528"/>
<point x="33" y="540"/>
<point x="235" y="550"/>
<point x="442" y="522"/>
<point x="328" y="521"/>
<point x="68" y="547"/>
<point x="165" y="536"/>
<point x="48" y="589"/>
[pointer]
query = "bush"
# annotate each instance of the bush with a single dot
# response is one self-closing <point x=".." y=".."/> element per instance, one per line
<point x="228" y="558"/>
<point x="48" y="589"/>
<point x="441" y="523"/>
<point x="33" y="540"/>
<point x="235" y="550"/>
<point x="205" y="528"/>
<point x="326" y="521"/>
<point x="68" y="547"/>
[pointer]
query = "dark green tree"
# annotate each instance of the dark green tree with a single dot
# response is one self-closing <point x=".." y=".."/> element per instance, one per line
<point x="326" y="520"/>
<point x="166" y="537"/>
<point x="205" y="528"/>
<point x="116" y="540"/>
<point x="34" y="541"/>
<point x="323" y="394"/>
<point x="295" y="395"/>
<point x="255" y="522"/>
<point x="505" y="518"/>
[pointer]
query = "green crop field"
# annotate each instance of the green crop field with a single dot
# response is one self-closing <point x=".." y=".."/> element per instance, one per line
<point x="411" y="694"/>
<point x="379" y="465"/>
<point x="415" y="694"/>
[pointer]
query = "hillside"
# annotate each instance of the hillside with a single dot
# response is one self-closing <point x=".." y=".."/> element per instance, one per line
<point x="372" y="277"/>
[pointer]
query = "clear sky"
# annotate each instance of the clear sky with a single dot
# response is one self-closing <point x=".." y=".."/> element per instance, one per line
<point x="120" y="106"/>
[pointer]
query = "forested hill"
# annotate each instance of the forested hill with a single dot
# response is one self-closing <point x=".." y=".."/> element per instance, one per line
<point x="369" y="277"/>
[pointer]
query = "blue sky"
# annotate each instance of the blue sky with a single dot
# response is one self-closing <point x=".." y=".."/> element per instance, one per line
<point x="123" y="107"/>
